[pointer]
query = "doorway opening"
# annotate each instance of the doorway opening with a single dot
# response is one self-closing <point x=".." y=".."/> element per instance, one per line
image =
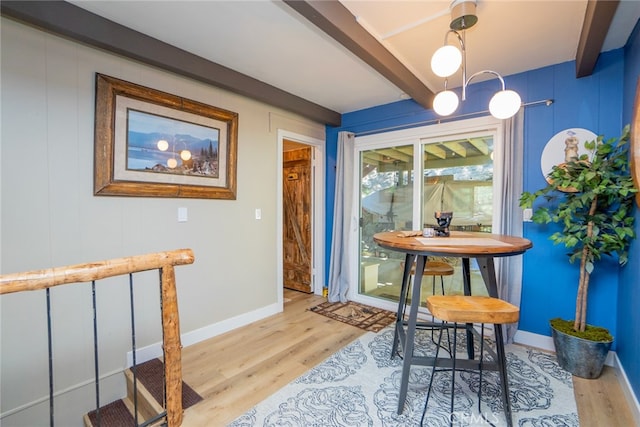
<point x="300" y="213"/>
<point x="297" y="236"/>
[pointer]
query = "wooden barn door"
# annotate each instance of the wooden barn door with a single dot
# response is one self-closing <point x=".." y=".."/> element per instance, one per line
<point x="297" y="230"/>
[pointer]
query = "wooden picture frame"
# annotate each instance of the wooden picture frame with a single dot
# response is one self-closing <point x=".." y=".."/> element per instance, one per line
<point x="150" y="143"/>
<point x="635" y="142"/>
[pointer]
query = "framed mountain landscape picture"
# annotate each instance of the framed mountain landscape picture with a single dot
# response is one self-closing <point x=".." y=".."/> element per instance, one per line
<point x="150" y="143"/>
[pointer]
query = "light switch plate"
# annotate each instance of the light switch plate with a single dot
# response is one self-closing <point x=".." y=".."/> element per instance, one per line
<point x="182" y="215"/>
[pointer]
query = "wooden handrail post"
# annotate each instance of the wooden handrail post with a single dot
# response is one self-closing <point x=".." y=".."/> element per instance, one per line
<point x="172" y="347"/>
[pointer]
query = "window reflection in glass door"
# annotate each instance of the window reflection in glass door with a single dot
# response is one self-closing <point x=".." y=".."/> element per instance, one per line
<point x="457" y="176"/>
<point x="386" y="203"/>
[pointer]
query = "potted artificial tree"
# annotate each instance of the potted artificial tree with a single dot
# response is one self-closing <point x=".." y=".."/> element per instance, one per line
<point x="591" y="197"/>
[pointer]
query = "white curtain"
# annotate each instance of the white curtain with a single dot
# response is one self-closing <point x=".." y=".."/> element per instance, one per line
<point x="342" y="265"/>
<point x="510" y="271"/>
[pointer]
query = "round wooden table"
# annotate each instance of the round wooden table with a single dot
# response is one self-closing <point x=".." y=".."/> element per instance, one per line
<point x="484" y="247"/>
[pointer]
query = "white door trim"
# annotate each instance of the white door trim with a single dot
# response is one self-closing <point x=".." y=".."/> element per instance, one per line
<point x="318" y="214"/>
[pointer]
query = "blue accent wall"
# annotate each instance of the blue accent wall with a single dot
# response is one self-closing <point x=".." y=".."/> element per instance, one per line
<point x="594" y="103"/>
<point x="602" y="103"/>
<point x="628" y="314"/>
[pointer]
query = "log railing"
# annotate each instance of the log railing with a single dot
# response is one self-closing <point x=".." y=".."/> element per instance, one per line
<point x="90" y="272"/>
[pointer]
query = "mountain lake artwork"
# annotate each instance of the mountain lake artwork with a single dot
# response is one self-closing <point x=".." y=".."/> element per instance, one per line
<point x="164" y="145"/>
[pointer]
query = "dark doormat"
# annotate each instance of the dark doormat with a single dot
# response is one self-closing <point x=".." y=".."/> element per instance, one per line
<point x="362" y="316"/>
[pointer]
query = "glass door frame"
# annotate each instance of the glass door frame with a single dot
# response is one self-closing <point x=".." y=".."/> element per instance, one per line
<point x="416" y="137"/>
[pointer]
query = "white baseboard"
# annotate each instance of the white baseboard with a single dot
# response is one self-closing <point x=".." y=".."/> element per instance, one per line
<point x="189" y="338"/>
<point x="542" y="342"/>
<point x="628" y="391"/>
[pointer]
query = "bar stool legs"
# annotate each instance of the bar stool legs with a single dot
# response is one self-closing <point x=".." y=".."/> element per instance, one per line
<point x="463" y="310"/>
<point x="506" y="400"/>
<point x="433" y="269"/>
<point x="433" y="372"/>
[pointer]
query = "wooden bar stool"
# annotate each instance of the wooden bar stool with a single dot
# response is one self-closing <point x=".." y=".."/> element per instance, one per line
<point x="469" y="310"/>
<point x="431" y="269"/>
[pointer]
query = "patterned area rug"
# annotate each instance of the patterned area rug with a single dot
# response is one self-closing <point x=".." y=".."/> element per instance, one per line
<point x="359" y="386"/>
<point x="363" y="316"/>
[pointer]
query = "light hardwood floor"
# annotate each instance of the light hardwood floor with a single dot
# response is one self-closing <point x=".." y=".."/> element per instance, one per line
<point x="237" y="370"/>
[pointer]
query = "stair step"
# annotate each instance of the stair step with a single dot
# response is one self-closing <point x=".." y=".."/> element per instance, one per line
<point x="150" y="391"/>
<point x="114" y="414"/>
<point x="151" y="373"/>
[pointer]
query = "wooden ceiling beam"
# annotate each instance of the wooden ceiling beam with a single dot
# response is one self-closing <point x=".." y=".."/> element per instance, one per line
<point x="372" y="156"/>
<point x="435" y="150"/>
<point x="456" y="162"/>
<point x="70" y="21"/>
<point x="457" y="148"/>
<point x="480" y="145"/>
<point x="337" y="21"/>
<point x="597" y="21"/>
<point x="395" y="155"/>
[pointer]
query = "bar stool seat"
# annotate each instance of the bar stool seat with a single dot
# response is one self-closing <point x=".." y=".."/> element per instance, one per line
<point x="435" y="268"/>
<point x="432" y="269"/>
<point x="473" y="310"/>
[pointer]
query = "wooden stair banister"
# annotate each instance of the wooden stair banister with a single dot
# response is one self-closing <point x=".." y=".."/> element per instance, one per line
<point x="42" y="279"/>
<point x="165" y="261"/>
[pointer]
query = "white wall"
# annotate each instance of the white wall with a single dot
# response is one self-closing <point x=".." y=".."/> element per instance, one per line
<point x="49" y="217"/>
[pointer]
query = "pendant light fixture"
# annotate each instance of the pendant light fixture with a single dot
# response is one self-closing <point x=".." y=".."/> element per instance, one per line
<point x="447" y="60"/>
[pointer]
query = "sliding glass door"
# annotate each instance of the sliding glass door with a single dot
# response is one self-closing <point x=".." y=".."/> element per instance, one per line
<point x="386" y="203"/>
<point x="407" y="176"/>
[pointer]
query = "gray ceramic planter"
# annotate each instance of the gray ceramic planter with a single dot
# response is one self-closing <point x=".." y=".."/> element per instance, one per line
<point x="583" y="358"/>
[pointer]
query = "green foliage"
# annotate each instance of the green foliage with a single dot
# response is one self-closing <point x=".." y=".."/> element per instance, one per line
<point x="605" y="178"/>
<point x="592" y="199"/>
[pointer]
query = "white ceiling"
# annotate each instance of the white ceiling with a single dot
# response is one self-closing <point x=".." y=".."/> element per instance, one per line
<point x="271" y="42"/>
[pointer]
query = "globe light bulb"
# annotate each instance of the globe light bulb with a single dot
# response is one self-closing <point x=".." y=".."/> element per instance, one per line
<point x="172" y="163"/>
<point x="162" y="145"/>
<point x="185" y="155"/>
<point x="445" y="103"/>
<point x="446" y="61"/>
<point x="505" y="104"/>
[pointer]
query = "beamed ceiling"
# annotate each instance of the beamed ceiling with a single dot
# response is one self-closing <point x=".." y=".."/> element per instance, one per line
<point x="321" y="59"/>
